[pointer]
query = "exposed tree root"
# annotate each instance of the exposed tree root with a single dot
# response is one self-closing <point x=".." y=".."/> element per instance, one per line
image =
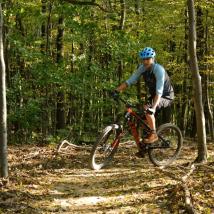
<point x="185" y="177"/>
<point x="188" y="202"/>
<point x="200" y="160"/>
<point x="206" y="165"/>
<point x="182" y="181"/>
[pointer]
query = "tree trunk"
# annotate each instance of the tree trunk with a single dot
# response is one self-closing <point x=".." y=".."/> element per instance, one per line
<point x="121" y="27"/>
<point x="209" y="110"/>
<point x="137" y="6"/>
<point x="200" y="120"/>
<point x="45" y="119"/>
<point x="60" y="113"/>
<point x="122" y="15"/>
<point x="43" y="28"/>
<point x="3" y="107"/>
<point x="202" y="50"/>
<point x="184" y="100"/>
<point x="48" y="29"/>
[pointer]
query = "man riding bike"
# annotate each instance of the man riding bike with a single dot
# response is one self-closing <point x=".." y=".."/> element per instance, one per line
<point x="159" y="85"/>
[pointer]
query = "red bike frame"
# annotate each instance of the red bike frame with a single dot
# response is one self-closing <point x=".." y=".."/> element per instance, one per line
<point x="133" y="128"/>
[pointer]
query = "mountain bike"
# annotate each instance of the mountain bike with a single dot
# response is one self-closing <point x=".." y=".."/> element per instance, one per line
<point x="161" y="153"/>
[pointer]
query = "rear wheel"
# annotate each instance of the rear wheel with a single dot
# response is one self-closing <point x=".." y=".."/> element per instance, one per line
<point x="105" y="147"/>
<point x="168" y="147"/>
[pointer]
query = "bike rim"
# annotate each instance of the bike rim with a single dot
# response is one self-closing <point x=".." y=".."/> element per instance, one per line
<point x="105" y="148"/>
<point x="167" y="146"/>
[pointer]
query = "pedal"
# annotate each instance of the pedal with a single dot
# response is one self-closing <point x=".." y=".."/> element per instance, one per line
<point x="140" y="154"/>
<point x="144" y="147"/>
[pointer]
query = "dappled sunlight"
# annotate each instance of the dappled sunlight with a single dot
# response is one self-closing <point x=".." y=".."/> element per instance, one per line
<point x="43" y="182"/>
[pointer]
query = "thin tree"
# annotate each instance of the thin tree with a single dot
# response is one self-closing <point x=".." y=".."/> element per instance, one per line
<point x="3" y="107"/>
<point x="60" y="112"/>
<point x="197" y="87"/>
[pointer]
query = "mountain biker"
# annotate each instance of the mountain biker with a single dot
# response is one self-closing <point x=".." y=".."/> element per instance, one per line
<point x="159" y="85"/>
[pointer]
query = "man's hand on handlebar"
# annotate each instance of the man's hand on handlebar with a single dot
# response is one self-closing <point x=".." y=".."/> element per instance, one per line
<point x="122" y="87"/>
<point x="115" y="94"/>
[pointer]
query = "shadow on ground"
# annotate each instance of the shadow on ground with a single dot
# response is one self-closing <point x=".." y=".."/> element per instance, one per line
<point x="43" y="182"/>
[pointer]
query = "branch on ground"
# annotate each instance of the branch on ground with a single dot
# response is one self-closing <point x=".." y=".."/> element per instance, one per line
<point x="185" y="177"/>
<point x="205" y="165"/>
<point x="188" y="202"/>
<point x="65" y="145"/>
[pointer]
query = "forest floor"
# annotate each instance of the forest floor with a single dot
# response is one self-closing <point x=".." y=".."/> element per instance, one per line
<point x="43" y="182"/>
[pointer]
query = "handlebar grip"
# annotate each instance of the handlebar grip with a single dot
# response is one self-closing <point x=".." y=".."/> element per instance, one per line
<point x="114" y="94"/>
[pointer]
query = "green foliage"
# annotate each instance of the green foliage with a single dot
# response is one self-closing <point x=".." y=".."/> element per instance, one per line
<point x="93" y="48"/>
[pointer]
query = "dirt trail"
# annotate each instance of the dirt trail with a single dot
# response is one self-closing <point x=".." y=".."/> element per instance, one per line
<point x="41" y="182"/>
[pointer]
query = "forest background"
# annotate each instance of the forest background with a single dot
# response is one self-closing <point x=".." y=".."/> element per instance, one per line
<point x="62" y="56"/>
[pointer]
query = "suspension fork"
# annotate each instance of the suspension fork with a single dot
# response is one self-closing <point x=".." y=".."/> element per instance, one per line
<point x="119" y="134"/>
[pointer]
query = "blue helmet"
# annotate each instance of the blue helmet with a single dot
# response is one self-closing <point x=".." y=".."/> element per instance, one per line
<point x="147" y="53"/>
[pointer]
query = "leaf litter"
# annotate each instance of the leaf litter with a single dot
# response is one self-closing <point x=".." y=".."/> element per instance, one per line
<point x="43" y="182"/>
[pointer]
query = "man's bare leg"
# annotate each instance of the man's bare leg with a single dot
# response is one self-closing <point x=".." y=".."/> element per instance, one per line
<point x="151" y="122"/>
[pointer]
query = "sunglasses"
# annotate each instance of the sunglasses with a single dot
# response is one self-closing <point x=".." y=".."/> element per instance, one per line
<point x="146" y="59"/>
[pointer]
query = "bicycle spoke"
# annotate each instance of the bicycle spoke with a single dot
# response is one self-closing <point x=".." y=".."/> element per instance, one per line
<point x="104" y="148"/>
<point x="168" y="146"/>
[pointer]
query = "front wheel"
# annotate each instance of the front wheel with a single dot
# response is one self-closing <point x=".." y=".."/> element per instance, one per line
<point x="168" y="147"/>
<point x="105" y="147"/>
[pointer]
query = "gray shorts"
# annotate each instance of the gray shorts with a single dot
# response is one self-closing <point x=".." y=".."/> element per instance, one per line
<point x="164" y="103"/>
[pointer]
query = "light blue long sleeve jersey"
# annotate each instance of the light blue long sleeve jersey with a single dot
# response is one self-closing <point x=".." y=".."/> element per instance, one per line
<point x="159" y="73"/>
